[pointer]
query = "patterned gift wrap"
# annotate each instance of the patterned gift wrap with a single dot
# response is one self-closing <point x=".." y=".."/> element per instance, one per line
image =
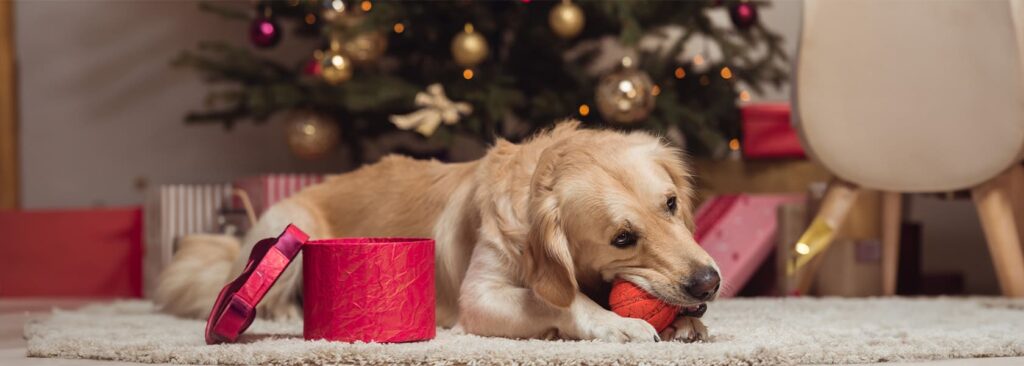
<point x="266" y="190"/>
<point x="173" y="211"/>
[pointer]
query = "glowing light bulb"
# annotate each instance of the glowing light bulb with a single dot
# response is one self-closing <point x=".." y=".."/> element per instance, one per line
<point x="726" y="73"/>
<point x="734" y="144"/>
<point x="802" y="248"/>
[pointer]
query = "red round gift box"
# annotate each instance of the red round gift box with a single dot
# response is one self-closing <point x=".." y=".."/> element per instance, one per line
<point x="368" y="289"/>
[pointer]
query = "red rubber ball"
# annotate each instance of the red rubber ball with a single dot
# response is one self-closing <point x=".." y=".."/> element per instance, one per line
<point x="631" y="301"/>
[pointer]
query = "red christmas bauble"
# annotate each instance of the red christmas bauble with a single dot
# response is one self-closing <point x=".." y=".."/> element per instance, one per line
<point x="264" y="32"/>
<point x="312" y="67"/>
<point x="743" y="15"/>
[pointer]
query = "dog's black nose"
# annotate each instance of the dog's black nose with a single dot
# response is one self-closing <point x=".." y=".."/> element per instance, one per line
<point x="703" y="284"/>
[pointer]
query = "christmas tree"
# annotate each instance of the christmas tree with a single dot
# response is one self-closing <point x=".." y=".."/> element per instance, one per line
<point x="490" y="69"/>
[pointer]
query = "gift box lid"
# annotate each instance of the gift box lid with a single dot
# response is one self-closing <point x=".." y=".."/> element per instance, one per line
<point x="235" y="308"/>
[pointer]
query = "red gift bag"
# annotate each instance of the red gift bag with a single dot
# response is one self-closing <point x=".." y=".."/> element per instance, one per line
<point x="738" y="231"/>
<point x="768" y="132"/>
<point x="79" y="253"/>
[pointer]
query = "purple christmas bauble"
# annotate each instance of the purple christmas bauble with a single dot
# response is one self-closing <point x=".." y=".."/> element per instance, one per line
<point x="743" y="15"/>
<point x="264" y="32"/>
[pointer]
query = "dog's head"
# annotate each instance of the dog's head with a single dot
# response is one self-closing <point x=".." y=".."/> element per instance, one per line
<point x="605" y="205"/>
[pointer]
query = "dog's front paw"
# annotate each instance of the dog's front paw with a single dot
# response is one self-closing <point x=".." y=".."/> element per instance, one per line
<point x="621" y="330"/>
<point x="686" y="329"/>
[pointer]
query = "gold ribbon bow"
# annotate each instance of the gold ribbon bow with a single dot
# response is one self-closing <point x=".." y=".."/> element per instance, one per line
<point x="435" y="108"/>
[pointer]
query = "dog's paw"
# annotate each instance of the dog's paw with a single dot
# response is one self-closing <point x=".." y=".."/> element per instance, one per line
<point x="622" y="330"/>
<point x="458" y="329"/>
<point x="685" y="329"/>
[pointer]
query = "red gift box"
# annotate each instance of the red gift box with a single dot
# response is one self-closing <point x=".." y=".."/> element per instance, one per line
<point x="80" y="253"/>
<point x="354" y="289"/>
<point x="768" y="132"/>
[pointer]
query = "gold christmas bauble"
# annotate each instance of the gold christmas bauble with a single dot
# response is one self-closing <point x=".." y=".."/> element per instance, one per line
<point x="335" y="67"/>
<point x="566" y="20"/>
<point x="469" y="47"/>
<point x="625" y="96"/>
<point x="311" y="135"/>
<point x="365" y="47"/>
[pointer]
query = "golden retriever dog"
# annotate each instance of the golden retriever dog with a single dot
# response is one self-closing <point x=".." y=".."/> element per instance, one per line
<point x="529" y="237"/>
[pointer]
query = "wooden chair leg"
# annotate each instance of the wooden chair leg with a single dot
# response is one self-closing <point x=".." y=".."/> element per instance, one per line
<point x="995" y="209"/>
<point x="891" y="217"/>
<point x="1017" y="198"/>
<point x="836" y="204"/>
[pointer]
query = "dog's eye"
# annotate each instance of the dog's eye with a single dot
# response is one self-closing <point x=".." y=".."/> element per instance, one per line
<point x="624" y="239"/>
<point x="671" y="204"/>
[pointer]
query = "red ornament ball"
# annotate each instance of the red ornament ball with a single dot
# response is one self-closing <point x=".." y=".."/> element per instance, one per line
<point x="631" y="301"/>
<point x="312" y="67"/>
<point x="743" y="15"/>
<point x="264" y="32"/>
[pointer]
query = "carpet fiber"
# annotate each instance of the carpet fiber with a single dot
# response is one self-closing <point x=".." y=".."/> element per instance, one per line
<point x="743" y="331"/>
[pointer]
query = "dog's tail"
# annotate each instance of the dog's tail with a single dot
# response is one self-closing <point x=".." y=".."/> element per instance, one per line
<point x="202" y="265"/>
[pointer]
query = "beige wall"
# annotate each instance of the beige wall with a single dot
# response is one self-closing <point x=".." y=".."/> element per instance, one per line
<point x="101" y="108"/>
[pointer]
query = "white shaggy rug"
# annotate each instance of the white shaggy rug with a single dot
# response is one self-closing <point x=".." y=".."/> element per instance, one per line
<point x="743" y="331"/>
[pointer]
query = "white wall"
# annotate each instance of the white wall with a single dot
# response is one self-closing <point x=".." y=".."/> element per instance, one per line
<point x="101" y="107"/>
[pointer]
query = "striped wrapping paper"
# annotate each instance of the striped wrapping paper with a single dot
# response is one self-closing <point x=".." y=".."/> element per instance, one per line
<point x="266" y="190"/>
<point x="173" y="211"/>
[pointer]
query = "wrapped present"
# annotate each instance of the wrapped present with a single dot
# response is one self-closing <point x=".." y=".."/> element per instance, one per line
<point x="739" y="232"/>
<point x="266" y="190"/>
<point x="76" y="253"/>
<point x="173" y="211"/>
<point x="768" y="132"/>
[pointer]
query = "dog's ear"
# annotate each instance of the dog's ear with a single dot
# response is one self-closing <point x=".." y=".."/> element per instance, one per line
<point x="551" y="270"/>
<point x="672" y="161"/>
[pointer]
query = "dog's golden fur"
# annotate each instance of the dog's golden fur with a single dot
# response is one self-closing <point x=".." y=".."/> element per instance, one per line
<point x="522" y="234"/>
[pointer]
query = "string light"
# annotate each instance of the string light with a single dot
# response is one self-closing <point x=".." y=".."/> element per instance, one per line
<point x="655" y="90"/>
<point x="366" y="5"/>
<point x="734" y="144"/>
<point x="698" y="60"/>
<point x="704" y="80"/>
<point x="726" y="73"/>
<point x="745" y="96"/>
<point x="584" y="110"/>
<point x="680" y="73"/>
<point x="802" y="248"/>
<point x="310" y="18"/>
<point x="627" y="61"/>
<point x="337" y="6"/>
<point x="399" y="28"/>
<point x="467" y="74"/>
